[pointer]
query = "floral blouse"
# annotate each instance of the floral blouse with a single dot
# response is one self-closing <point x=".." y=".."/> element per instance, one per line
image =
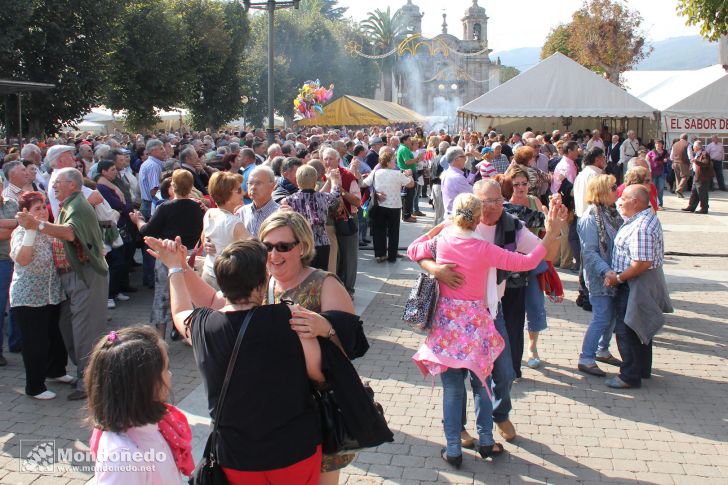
<point x="37" y="283"/>
<point x="314" y="206"/>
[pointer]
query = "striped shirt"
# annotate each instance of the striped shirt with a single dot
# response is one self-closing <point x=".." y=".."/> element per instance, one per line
<point x="639" y="239"/>
<point x="149" y="175"/>
<point x="253" y="218"/>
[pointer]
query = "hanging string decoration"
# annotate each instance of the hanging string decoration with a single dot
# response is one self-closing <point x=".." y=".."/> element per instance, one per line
<point x="311" y="98"/>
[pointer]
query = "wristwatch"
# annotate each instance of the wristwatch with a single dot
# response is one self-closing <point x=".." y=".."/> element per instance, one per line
<point x="174" y="271"/>
<point x="619" y="278"/>
<point x="331" y="333"/>
<point x="41" y="225"/>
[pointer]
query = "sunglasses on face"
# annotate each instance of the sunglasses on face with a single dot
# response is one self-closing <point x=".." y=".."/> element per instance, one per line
<point x="614" y="188"/>
<point x="281" y="247"/>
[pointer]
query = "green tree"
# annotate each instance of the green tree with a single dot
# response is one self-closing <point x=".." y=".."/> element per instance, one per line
<point x="308" y="46"/>
<point x="384" y="30"/>
<point x="327" y="8"/>
<point x="603" y="35"/>
<point x="558" y="40"/>
<point x="710" y="15"/>
<point x="147" y="67"/>
<point x="215" y="34"/>
<point x="67" y="50"/>
<point x="507" y="73"/>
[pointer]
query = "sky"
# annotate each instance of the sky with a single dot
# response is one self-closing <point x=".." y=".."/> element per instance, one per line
<point x="525" y="23"/>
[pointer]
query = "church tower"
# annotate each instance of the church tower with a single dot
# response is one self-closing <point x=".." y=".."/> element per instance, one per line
<point x="412" y="18"/>
<point x="475" y="24"/>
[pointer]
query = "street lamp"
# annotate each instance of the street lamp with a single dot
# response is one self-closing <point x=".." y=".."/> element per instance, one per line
<point x="244" y="100"/>
<point x="271" y="6"/>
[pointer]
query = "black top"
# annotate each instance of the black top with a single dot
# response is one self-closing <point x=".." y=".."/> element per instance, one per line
<point x="269" y="419"/>
<point x="372" y="159"/>
<point x="177" y="217"/>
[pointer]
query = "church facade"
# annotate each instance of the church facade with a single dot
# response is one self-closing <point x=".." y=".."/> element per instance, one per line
<point x="435" y="76"/>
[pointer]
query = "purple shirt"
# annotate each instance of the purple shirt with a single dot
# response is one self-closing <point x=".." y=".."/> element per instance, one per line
<point x="565" y="167"/>
<point x="454" y="182"/>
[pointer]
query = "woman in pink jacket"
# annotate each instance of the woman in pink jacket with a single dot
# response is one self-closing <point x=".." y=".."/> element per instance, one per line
<point x="463" y="339"/>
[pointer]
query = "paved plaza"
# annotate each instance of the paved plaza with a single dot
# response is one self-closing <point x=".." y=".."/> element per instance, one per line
<point x="571" y="427"/>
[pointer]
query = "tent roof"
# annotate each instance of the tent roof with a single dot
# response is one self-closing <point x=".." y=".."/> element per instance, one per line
<point x="710" y="101"/>
<point x="352" y="110"/>
<point x="663" y="89"/>
<point x="557" y="86"/>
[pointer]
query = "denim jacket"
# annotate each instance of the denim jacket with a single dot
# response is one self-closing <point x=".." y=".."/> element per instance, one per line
<point x="595" y="267"/>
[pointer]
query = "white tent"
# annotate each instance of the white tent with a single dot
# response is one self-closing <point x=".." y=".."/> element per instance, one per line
<point x="662" y="89"/>
<point x="556" y="87"/>
<point x="689" y="101"/>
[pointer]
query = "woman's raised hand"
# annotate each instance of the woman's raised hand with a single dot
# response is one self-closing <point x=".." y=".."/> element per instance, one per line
<point x="172" y="254"/>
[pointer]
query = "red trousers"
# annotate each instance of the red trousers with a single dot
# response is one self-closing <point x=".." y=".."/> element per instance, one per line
<point x="304" y="472"/>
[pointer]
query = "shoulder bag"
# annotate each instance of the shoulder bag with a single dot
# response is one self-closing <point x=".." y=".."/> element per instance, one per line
<point x="209" y="471"/>
<point x="345" y="226"/>
<point x="419" y="309"/>
<point x="373" y="199"/>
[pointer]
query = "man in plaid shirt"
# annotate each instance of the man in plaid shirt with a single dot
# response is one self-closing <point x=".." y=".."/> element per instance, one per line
<point x="638" y="247"/>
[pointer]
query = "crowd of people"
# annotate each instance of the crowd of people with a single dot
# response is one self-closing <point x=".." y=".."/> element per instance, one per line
<point x="230" y="227"/>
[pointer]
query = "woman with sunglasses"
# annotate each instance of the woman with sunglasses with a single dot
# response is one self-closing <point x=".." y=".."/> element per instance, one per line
<point x="597" y="227"/>
<point x="529" y="209"/>
<point x="289" y="240"/>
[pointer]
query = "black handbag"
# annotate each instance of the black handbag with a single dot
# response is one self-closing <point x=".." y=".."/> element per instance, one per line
<point x="373" y="199"/>
<point x="346" y="227"/>
<point x="335" y="438"/>
<point x="209" y="471"/>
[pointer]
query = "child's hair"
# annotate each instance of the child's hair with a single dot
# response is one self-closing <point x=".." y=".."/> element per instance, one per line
<point x="306" y="177"/>
<point x="466" y="210"/>
<point x="124" y="380"/>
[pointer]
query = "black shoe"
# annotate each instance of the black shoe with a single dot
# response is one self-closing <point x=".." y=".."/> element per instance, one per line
<point x="366" y="241"/>
<point x="455" y="461"/>
<point x="687" y="209"/>
<point x="3" y="361"/>
<point x="174" y="335"/>
<point x="362" y="244"/>
<point x="490" y="450"/>
<point x="586" y="306"/>
<point x="77" y="395"/>
<point x="702" y="212"/>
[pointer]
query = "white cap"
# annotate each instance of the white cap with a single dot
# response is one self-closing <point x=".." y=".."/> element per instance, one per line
<point x="56" y="150"/>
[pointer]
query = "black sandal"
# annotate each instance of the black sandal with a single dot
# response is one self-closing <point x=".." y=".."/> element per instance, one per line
<point x="455" y="461"/>
<point x="493" y="450"/>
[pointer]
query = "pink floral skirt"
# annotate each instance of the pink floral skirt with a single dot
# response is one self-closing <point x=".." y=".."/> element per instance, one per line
<point x="463" y="336"/>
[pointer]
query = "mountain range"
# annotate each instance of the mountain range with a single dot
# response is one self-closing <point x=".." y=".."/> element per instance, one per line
<point x="674" y="53"/>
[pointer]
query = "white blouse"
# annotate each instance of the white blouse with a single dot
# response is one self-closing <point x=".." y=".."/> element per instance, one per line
<point x="389" y="182"/>
<point x="140" y="456"/>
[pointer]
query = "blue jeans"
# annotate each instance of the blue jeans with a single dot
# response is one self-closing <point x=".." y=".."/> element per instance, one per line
<point x="659" y="181"/>
<point x="363" y="225"/>
<point x="599" y="333"/>
<point x="503" y="374"/>
<point x="535" y="307"/>
<point x="6" y="275"/>
<point x="453" y="401"/>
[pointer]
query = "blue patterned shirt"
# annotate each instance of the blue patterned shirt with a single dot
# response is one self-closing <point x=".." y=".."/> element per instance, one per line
<point x="149" y="175"/>
<point x="253" y="218"/>
<point x="639" y="239"/>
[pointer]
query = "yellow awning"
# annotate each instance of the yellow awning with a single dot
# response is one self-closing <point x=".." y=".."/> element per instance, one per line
<point x="355" y="111"/>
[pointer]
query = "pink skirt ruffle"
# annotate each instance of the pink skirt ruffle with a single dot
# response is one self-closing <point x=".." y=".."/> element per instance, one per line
<point x="463" y="336"/>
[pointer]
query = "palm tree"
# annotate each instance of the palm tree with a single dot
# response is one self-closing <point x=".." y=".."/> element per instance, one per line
<point x="384" y="31"/>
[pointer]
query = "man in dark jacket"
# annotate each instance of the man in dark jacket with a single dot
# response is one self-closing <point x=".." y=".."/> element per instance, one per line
<point x="287" y="184"/>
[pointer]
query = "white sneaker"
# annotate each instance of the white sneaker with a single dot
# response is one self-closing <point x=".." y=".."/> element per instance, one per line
<point x="111" y="303"/>
<point x="64" y="379"/>
<point x="122" y="297"/>
<point x="45" y="395"/>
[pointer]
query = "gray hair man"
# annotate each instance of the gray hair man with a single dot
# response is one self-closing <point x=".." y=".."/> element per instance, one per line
<point x="82" y="268"/>
<point x="59" y="157"/>
<point x="453" y="180"/>
<point x="17" y="176"/>
<point x="261" y="183"/>
<point x="437" y="170"/>
<point x="497" y="226"/>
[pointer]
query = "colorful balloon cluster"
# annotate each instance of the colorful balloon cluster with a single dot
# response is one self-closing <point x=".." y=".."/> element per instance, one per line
<point x="311" y="97"/>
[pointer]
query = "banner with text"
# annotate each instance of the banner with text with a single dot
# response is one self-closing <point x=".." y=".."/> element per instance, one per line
<point x="696" y="125"/>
